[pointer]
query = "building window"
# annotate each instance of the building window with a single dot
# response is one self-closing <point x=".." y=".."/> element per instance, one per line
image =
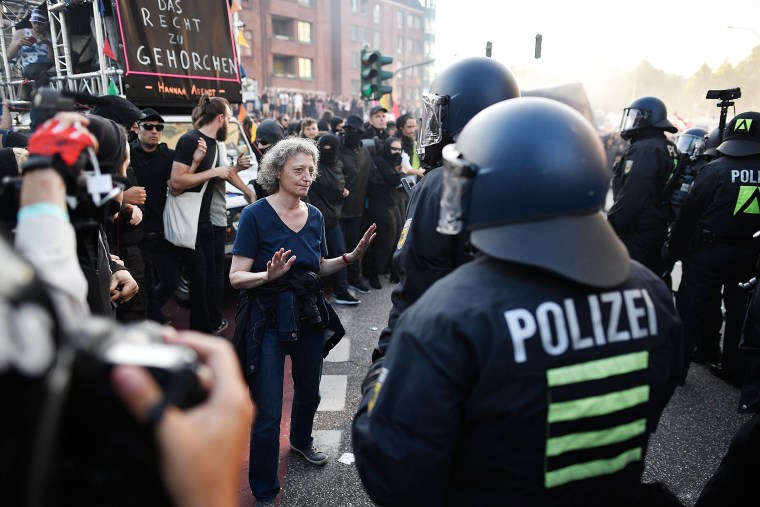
<point x="409" y="21"/>
<point x="304" y="32"/>
<point x="247" y="51"/>
<point x="417" y="23"/>
<point x="359" y="7"/>
<point x="305" y="68"/>
<point x="376" y="40"/>
<point x="400" y="44"/>
<point x="354" y="87"/>
<point x="305" y="3"/>
<point x="284" y="66"/>
<point x="354" y="33"/>
<point x="409" y="46"/>
<point x="282" y="28"/>
<point x="399" y="19"/>
<point x="376" y="13"/>
<point x="363" y="34"/>
<point x="354" y="60"/>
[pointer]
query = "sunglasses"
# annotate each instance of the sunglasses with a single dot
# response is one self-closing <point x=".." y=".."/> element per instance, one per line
<point x="150" y="126"/>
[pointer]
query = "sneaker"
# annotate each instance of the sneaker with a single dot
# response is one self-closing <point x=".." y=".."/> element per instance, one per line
<point x="222" y="326"/>
<point x="374" y="282"/>
<point x="312" y="455"/>
<point x="359" y="287"/>
<point x="346" y="299"/>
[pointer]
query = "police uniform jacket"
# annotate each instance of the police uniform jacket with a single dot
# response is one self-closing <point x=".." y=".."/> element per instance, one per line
<point x="638" y="181"/>
<point x="724" y="200"/>
<point x="546" y="395"/>
<point x="423" y="255"/>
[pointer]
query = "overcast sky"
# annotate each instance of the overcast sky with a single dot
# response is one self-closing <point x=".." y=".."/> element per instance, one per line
<point x="674" y="35"/>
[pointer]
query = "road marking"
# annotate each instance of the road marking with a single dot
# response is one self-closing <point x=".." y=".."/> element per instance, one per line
<point x="340" y="353"/>
<point x="328" y="441"/>
<point x="333" y="390"/>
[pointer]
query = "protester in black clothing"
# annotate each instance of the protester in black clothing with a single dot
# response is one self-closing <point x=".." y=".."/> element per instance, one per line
<point x="382" y="208"/>
<point x="641" y="213"/>
<point x="535" y="374"/>
<point x="357" y="165"/>
<point x="268" y="133"/>
<point x="423" y="255"/>
<point x="152" y="164"/>
<point x="327" y="193"/>
<point x="125" y="229"/>
<point x="718" y="221"/>
<point x="109" y="282"/>
<point x="376" y="127"/>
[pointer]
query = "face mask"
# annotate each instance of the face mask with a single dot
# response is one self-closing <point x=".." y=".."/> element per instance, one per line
<point x="394" y="159"/>
<point x="353" y="139"/>
<point x="327" y="155"/>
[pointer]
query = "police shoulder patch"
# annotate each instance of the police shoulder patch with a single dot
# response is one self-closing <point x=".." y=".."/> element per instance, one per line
<point x="628" y="166"/>
<point x="404" y="232"/>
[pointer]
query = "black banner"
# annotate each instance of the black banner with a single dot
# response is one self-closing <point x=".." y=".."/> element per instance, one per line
<point x="177" y="50"/>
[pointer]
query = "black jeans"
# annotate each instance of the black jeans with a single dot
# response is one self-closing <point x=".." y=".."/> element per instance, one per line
<point x="200" y="269"/>
<point x="161" y="273"/>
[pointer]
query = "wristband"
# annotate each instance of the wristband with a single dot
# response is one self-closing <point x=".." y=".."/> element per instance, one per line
<point x="42" y="208"/>
<point x="345" y="259"/>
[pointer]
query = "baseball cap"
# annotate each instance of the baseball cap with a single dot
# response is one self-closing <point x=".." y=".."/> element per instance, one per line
<point x="151" y="114"/>
<point x="354" y="122"/>
<point x="376" y="109"/>
<point x="742" y="135"/>
<point x="119" y="110"/>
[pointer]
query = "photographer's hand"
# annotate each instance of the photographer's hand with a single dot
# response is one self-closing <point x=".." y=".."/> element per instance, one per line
<point x="200" y="447"/>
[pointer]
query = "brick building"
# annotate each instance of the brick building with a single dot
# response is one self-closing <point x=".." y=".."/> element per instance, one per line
<point x="314" y="46"/>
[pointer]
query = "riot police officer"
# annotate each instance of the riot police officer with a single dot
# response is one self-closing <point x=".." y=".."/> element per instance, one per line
<point x="718" y="220"/>
<point x="546" y="393"/>
<point x="423" y="255"/>
<point x="641" y="211"/>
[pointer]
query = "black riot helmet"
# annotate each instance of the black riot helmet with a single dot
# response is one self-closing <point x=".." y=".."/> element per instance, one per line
<point x="645" y="112"/>
<point x="691" y="141"/>
<point x="528" y="178"/>
<point x="712" y="140"/>
<point x="742" y="136"/>
<point x="456" y="95"/>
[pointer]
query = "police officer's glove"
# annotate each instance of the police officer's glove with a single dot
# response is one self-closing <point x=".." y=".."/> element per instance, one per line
<point x="371" y="378"/>
<point x="60" y="146"/>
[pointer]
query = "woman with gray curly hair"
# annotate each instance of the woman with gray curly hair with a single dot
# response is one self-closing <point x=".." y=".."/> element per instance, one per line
<point x="277" y="262"/>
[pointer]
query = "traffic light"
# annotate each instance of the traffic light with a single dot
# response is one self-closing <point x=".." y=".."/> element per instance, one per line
<point x="373" y="74"/>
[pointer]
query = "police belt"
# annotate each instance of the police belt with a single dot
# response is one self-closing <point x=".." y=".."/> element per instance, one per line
<point x="709" y="238"/>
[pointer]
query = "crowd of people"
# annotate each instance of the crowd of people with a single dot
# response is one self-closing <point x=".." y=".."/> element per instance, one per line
<point x="546" y="393"/>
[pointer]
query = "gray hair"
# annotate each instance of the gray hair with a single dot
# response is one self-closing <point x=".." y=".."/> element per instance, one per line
<point x="278" y="155"/>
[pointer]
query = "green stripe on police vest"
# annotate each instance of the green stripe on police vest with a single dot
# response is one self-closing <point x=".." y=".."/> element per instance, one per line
<point x="591" y="469"/>
<point x="599" y="369"/>
<point x="598" y="405"/>
<point x="590" y="439"/>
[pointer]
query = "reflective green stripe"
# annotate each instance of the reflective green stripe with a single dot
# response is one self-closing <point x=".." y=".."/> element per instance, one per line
<point x="598" y="405"/>
<point x="601" y="368"/>
<point x="589" y="439"/>
<point x="591" y="469"/>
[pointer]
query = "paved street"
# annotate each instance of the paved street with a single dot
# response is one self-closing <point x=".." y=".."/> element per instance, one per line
<point x="692" y="437"/>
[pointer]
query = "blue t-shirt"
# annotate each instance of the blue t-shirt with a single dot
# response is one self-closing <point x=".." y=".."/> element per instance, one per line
<point x="261" y="233"/>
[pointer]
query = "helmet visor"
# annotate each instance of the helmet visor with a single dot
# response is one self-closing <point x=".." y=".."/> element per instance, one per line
<point x="431" y="123"/>
<point x="457" y="178"/>
<point x="690" y="144"/>
<point x="634" y="119"/>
